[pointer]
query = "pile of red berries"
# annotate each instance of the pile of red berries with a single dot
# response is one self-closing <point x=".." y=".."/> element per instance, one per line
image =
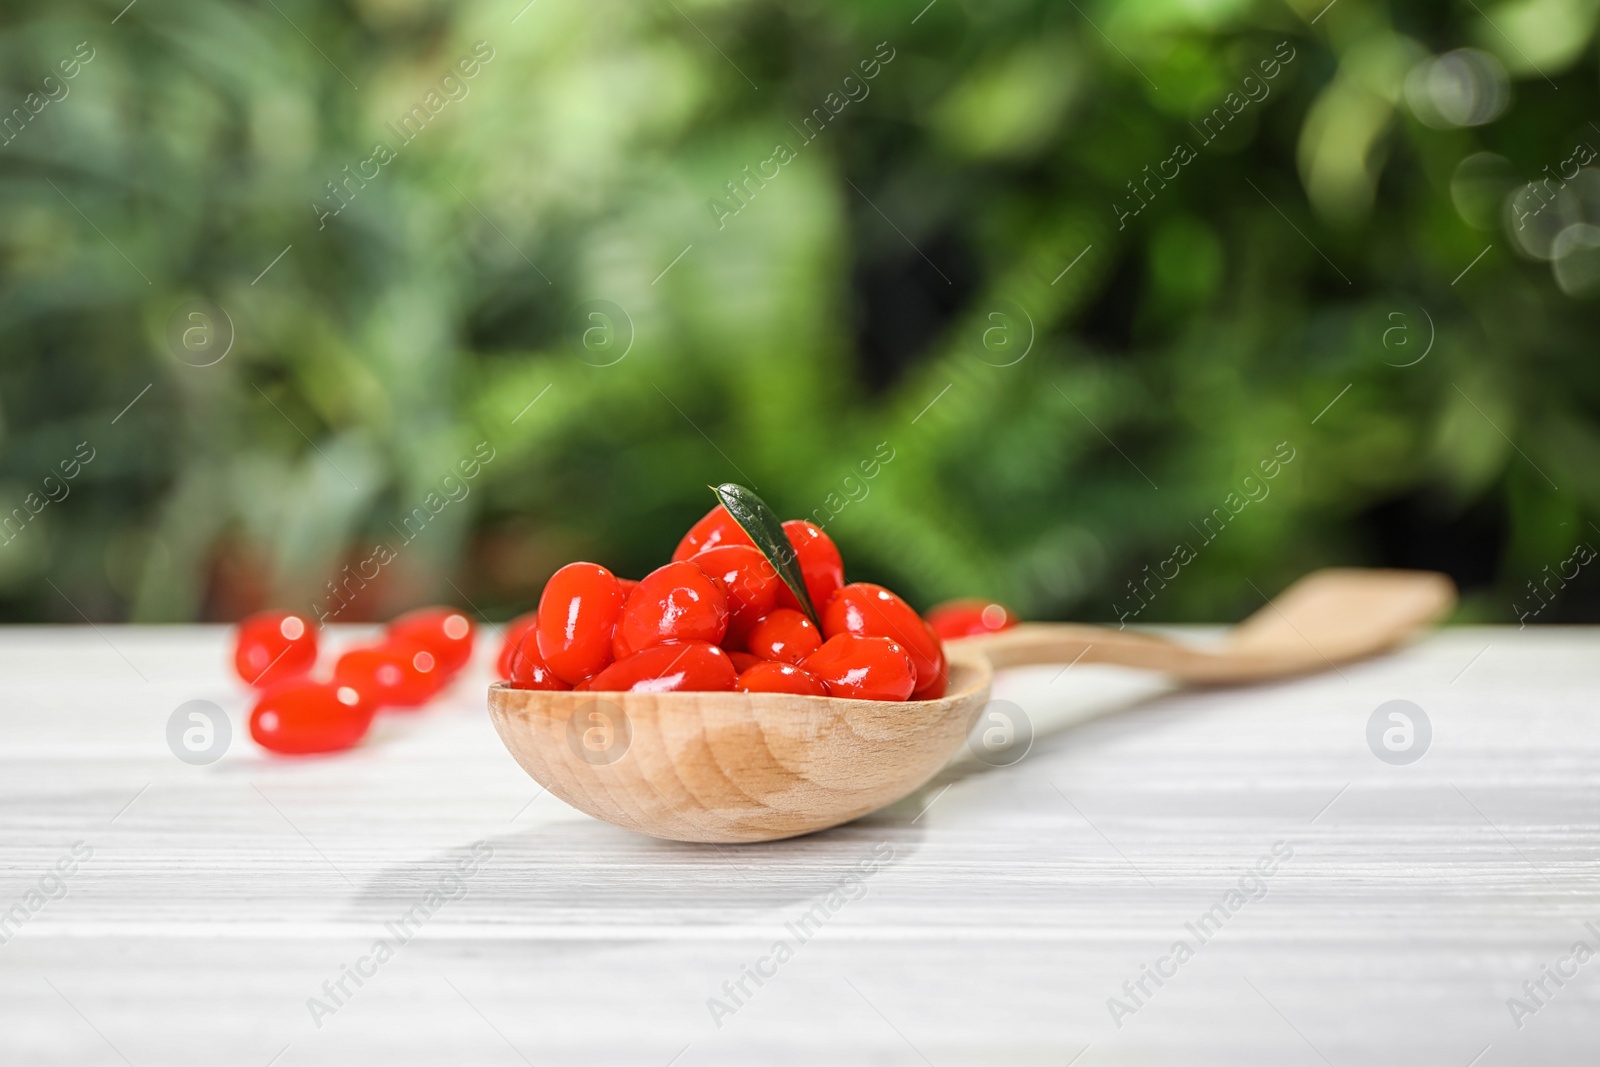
<point x="276" y="652"/>
<point x="720" y="617"/>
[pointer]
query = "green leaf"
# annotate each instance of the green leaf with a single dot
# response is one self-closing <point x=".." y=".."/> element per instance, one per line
<point x="764" y="528"/>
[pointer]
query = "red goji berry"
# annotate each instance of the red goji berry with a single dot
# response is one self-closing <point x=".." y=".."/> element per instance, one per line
<point x="862" y="668"/>
<point x="769" y="677"/>
<point x="274" y="646"/>
<point x="748" y="581"/>
<point x="716" y="527"/>
<point x="443" y="631"/>
<point x="785" y="635"/>
<point x="689" y="665"/>
<point x="673" y="603"/>
<point x="968" y="617"/>
<point x="578" y="611"/>
<point x="871" y="610"/>
<point x="301" y="716"/>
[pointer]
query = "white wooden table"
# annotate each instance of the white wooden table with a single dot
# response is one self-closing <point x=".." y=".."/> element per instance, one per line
<point x="1003" y="908"/>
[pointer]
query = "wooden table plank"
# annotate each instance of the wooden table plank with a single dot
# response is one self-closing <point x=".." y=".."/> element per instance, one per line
<point x="1003" y="910"/>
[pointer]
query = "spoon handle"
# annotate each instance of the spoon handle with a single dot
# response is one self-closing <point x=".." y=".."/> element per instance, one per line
<point x="1328" y="617"/>
<point x="1036" y="643"/>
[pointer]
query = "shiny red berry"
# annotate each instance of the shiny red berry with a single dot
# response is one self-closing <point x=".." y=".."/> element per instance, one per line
<point x="518" y="633"/>
<point x="969" y="617"/>
<point x="715" y="528"/>
<point x="577" y="613"/>
<point x="274" y="646"/>
<point x="743" y="661"/>
<point x="935" y="687"/>
<point x="872" y="611"/>
<point x="528" y="671"/>
<point x="673" y="603"/>
<point x="785" y="635"/>
<point x="302" y="716"/>
<point x="745" y="577"/>
<point x="819" y="560"/>
<point x="862" y="668"/>
<point x="690" y="666"/>
<point x="770" y="677"/>
<point x="391" y="674"/>
<point x="443" y="631"/>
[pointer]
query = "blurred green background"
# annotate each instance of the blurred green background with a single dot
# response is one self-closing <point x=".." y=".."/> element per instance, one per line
<point x="985" y="255"/>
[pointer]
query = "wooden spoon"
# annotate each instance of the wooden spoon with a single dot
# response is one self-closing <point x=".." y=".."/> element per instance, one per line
<point x="741" y="767"/>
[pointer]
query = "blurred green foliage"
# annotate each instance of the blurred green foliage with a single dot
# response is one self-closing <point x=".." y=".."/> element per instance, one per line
<point x="902" y="278"/>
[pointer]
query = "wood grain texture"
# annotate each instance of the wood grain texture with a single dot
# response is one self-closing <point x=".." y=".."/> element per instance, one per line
<point x="1011" y="905"/>
<point x="734" y="767"/>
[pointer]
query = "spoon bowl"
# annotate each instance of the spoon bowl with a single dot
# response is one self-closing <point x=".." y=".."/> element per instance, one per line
<point x="735" y="767"/>
<point x="728" y="767"/>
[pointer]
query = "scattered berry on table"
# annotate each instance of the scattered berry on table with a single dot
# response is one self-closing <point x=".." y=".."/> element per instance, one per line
<point x="969" y="617"/>
<point x="443" y="631"/>
<point x="301" y="716"/>
<point x="274" y="646"/>
<point x="392" y="674"/>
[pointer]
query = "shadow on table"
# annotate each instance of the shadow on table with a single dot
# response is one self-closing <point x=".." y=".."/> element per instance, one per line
<point x="587" y="873"/>
<point x="1027" y="716"/>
